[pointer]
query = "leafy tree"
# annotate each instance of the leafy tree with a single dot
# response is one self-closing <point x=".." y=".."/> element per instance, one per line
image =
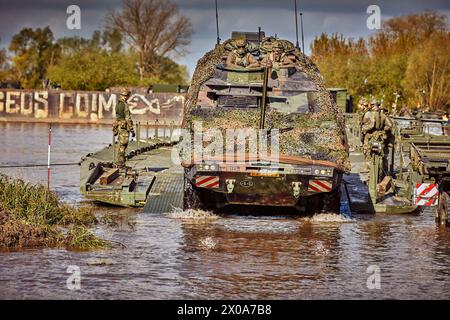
<point x="99" y="62"/>
<point x="391" y="50"/>
<point x="71" y="46"/>
<point x="401" y="34"/>
<point x="34" y="52"/>
<point x="110" y="41"/>
<point x="170" y="72"/>
<point x="343" y="62"/>
<point x="113" y="40"/>
<point x="427" y="77"/>
<point x="94" y="70"/>
<point x="3" y="63"/>
<point x="409" y="55"/>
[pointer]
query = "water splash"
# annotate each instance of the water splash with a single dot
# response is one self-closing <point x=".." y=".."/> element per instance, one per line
<point x="208" y="243"/>
<point x="191" y="214"/>
<point x="328" y="217"/>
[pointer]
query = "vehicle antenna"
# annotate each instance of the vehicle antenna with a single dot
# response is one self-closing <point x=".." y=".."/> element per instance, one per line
<point x="217" y="24"/>
<point x="296" y="25"/>
<point x="303" y="38"/>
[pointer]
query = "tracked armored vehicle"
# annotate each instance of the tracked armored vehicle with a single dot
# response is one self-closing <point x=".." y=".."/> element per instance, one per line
<point x="285" y="97"/>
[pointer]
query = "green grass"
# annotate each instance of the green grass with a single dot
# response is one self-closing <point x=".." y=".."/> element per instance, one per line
<point x="32" y="216"/>
<point x="80" y="238"/>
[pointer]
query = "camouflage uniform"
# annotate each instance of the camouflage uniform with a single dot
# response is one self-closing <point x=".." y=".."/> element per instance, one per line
<point x="362" y="105"/>
<point x="277" y="58"/>
<point x="122" y="127"/>
<point x="241" y="57"/>
<point x="361" y="110"/>
<point x="377" y="127"/>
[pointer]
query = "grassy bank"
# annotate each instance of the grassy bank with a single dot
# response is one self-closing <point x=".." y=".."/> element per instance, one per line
<point x="32" y="216"/>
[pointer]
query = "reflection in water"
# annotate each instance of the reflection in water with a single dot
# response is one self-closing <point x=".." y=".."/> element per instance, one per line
<point x="181" y="255"/>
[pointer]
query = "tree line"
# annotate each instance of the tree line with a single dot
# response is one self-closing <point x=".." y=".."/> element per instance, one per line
<point x="406" y="61"/>
<point x="135" y="48"/>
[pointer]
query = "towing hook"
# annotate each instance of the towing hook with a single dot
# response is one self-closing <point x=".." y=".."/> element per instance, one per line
<point x="296" y="189"/>
<point x="230" y="185"/>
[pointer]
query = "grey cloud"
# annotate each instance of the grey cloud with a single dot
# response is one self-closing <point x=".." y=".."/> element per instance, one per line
<point x="330" y="6"/>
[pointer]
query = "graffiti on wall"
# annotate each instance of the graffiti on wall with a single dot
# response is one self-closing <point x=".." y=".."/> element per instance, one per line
<point x="87" y="106"/>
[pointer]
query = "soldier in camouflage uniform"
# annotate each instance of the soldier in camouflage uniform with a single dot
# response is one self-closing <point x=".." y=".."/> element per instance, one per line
<point x="362" y="105"/>
<point x="277" y="58"/>
<point x="123" y="126"/>
<point x="241" y="57"/>
<point x="364" y="118"/>
<point x="358" y="117"/>
<point x="377" y="127"/>
<point x="368" y="124"/>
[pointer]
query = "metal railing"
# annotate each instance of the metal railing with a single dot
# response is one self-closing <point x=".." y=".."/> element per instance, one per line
<point x="163" y="131"/>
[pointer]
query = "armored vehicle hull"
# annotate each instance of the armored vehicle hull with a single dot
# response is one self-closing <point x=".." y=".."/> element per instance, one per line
<point x="292" y="182"/>
<point x="286" y="99"/>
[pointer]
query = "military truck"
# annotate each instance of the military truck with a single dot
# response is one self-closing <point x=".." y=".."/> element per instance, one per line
<point x="429" y="176"/>
<point x="287" y="98"/>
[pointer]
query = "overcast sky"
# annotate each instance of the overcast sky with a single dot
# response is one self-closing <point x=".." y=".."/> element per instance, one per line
<point x="274" y="16"/>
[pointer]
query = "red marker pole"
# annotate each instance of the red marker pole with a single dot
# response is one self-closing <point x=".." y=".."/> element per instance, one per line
<point x="48" y="155"/>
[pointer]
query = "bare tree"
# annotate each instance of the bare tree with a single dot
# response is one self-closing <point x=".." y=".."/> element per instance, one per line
<point x="155" y="28"/>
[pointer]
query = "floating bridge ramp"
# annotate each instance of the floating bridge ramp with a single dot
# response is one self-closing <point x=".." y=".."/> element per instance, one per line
<point x="166" y="193"/>
<point x="157" y="186"/>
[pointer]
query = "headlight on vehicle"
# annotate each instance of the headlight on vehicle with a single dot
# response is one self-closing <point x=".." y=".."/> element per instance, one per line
<point x="324" y="172"/>
<point x="207" y="167"/>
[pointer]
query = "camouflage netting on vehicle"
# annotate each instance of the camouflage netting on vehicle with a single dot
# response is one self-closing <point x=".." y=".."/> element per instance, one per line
<point x="317" y="135"/>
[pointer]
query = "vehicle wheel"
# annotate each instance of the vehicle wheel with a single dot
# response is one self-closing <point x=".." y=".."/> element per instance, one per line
<point x="332" y="201"/>
<point x="314" y="204"/>
<point x="191" y="196"/>
<point x="442" y="216"/>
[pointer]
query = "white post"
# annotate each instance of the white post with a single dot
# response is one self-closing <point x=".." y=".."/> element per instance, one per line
<point x="48" y="155"/>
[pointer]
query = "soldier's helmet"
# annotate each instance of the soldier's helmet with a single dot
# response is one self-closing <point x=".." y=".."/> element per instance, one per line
<point x="241" y="46"/>
<point x="124" y="92"/>
<point x="277" y="46"/>
<point x="375" y="102"/>
<point x="241" y="43"/>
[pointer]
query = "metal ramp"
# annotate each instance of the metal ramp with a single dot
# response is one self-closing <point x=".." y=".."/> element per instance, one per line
<point x="166" y="193"/>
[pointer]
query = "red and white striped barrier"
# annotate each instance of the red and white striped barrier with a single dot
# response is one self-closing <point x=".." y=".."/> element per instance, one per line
<point x="320" y="186"/>
<point x="207" y="182"/>
<point x="426" y="194"/>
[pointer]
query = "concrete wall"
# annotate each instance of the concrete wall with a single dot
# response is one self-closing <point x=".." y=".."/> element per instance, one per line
<point x="86" y="106"/>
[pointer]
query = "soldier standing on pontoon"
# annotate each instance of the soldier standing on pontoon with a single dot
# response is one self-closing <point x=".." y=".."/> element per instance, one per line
<point x="123" y="126"/>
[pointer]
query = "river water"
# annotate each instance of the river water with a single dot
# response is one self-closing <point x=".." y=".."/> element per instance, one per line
<point x="228" y="257"/>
